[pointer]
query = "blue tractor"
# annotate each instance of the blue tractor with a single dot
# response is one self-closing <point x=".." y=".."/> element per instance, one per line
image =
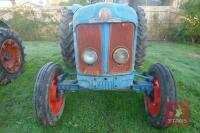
<point x="106" y="42"/>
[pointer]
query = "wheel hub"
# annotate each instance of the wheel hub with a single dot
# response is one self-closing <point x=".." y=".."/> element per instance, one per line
<point x="55" y="100"/>
<point x="7" y="57"/>
<point x="153" y="101"/>
<point x="10" y="56"/>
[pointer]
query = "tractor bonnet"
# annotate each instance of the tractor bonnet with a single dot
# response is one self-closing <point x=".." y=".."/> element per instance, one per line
<point x="91" y="13"/>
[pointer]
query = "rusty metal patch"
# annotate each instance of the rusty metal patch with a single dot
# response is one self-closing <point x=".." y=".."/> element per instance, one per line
<point x="90" y="37"/>
<point x="121" y="36"/>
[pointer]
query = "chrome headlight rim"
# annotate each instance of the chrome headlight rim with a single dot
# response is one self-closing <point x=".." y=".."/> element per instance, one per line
<point x="90" y="51"/>
<point x="116" y="52"/>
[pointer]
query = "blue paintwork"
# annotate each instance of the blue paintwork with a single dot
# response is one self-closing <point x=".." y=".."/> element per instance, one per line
<point x="143" y="85"/>
<point x="117" y="1"/>
<point x="105" y="47"/>
<point x="121" y="13"/>
<point x="106" y="82"/>
<point x="75" y="7"/>
<point x="68" y="85"/>
<point x="117" y="82"/>
<point x="76" y="51"/>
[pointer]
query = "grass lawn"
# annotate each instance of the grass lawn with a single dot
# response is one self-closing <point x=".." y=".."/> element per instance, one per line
<point x="106" y="111"/>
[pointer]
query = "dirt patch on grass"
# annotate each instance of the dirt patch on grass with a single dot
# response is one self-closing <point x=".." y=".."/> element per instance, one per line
<point x="194" y="55"/>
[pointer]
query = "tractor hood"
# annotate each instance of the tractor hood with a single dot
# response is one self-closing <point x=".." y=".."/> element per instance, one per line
<point x="103" y="13"/>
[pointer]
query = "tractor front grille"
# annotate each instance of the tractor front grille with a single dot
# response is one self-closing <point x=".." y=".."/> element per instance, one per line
<point x="92" y="36"/>
<point x="108" y="85"/>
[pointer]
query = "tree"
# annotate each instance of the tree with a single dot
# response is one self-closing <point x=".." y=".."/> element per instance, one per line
<point x="191" y="23"/>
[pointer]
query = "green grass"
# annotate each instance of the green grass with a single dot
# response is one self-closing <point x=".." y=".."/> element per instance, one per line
<point x="105" y="111"/>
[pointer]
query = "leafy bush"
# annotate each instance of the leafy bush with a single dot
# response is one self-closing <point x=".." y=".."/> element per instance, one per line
<point x="177" y="33"/>
<point x="34" y="24"/>
<point x="189" y="29"/>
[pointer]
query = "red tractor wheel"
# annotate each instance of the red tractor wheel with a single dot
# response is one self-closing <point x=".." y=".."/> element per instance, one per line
<point x="164" y="91"/>
<point x="49" y="105"/>
<point x="11" y="56"/>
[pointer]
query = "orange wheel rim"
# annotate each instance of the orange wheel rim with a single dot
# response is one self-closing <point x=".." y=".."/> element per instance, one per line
<point x="11" y="56"/>
<point x="153" y="103"/>
<point x="55" y="101"/>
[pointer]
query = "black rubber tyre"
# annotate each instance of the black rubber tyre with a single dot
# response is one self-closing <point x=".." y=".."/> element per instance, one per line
<point x="167" y="94"/>
<point x="5" y="35"/>
<point x="42" y="95"/>
<point x="66" y="38"/>
<point x="133" y="3"/>
<point x="141" y="35"/>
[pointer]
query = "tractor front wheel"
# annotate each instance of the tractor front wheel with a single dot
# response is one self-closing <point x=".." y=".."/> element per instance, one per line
<point x="49" y="105"/>
<point x="164" y="93"/>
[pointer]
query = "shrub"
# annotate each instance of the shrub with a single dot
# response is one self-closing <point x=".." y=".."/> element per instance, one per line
<point x="33" y="24"/>
<point x="177" y="33"/>
<point x="189" y="29"/>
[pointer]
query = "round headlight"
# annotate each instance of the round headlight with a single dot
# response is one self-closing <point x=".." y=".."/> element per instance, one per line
<point x="121" y="55"/>
<point x="89" y="57"/>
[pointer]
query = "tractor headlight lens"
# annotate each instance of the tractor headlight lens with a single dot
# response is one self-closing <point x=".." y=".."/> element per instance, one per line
<point x="89" y="57"/>
<point x="121" y="55"/>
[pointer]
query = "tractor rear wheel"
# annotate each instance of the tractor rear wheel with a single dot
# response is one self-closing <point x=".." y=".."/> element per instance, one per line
<point x="66" y="38"/>
<point x="163" y="94"/>
<point x="49" y="105"/>
<point x="141" y="35"/>
<point x="11" y="56"/>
